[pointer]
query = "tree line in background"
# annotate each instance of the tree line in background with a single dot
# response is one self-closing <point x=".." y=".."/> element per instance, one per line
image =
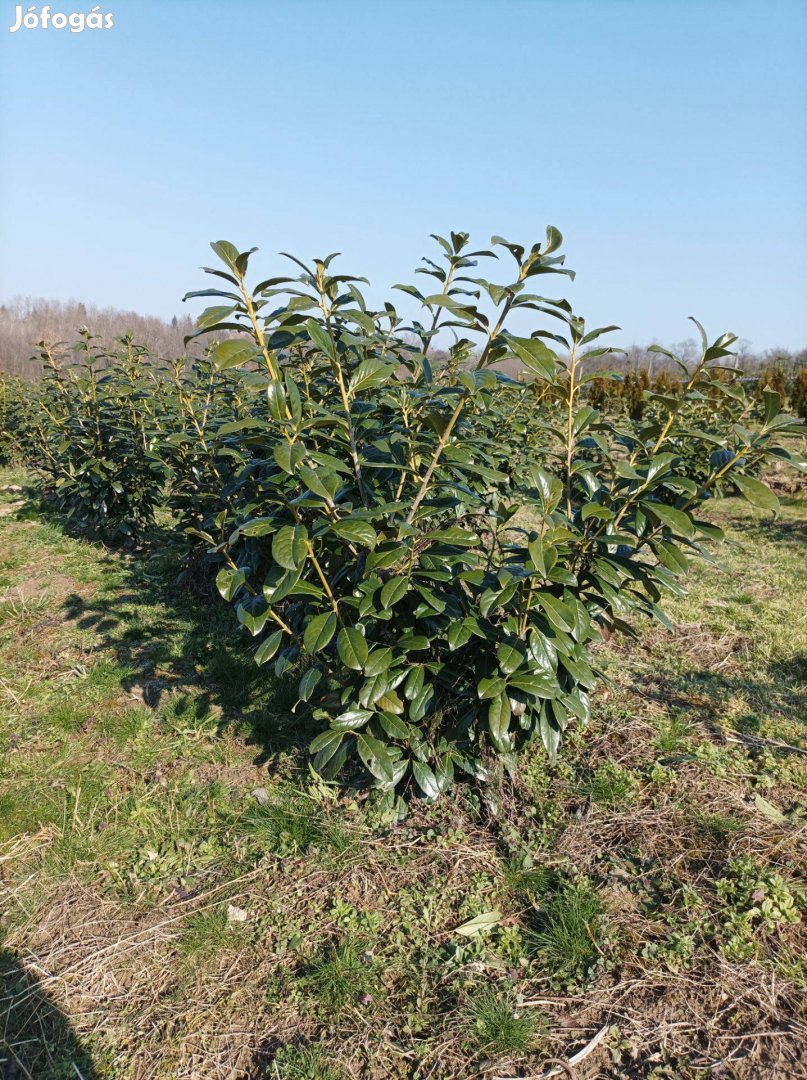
<point x="428" y="546"/>
<point x="629" y="392"/>
<point x="25" y="321"/>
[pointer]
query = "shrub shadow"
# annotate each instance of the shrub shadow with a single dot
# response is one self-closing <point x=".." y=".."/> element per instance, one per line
<point x="774" y="529"/>
<point x="777" y="689"/>
<point x="183" y="654"/>
<point x="36" y="1038"/>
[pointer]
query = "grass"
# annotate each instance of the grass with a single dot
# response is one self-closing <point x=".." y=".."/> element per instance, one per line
<point x="303" y="1063"/>
<point x="720" y="827"/>
<point x="610" y="784"/>
<point x="206" y="933"/>
<point x="497" y="1027"/>
<point x="568" y="937"/>
<point x="343" y="973"/>
<point x="291" y="823"/>
<point x="180" y="896"/>
<point x="673" y="734"/>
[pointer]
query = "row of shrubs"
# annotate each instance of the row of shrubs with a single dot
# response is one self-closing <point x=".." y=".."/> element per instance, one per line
<point x="433" y="550"/>
<point x="628" y="393"/>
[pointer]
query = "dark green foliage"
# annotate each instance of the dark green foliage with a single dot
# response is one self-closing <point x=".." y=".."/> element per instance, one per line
<point x="430" y="549"/>
<point x="7" y="399"/>
<point x="17" y="412"/>
<point x="633" y="393"/>
<point x="798" y="394"/>
<point x="772" y="377"/>
<point x="703" y="432"/>
<point x="444" y="585"/>
<point x="205" y="417"/>
<point x="93" y="439"/>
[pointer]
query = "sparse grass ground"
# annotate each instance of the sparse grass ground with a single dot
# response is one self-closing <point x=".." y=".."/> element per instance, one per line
<point x="180" y="900"/>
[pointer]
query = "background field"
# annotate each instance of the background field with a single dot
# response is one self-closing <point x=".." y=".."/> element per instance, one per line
<point x="180" y="899"/>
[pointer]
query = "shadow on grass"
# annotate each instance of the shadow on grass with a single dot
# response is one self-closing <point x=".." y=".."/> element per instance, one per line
<point x="776" y="691"/>
<point x="180" y="649"/>
<point x="36" y="1039"/>
<point x="775" y="529"/>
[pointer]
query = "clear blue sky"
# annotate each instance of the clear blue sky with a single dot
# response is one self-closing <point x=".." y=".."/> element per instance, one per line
<point x="667" y="139"/>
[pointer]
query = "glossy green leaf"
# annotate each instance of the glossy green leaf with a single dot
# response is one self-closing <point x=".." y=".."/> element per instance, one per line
<point x="358" y="532"/>
<point x="536" y="357"/>
<point x="378" y="661"/>
<point x="352" y="648"/>
<point x="229" y="581"/>
<point x="499" y="716"/>
<point x="375" y="757"/>
<point x="325" y="747"/>
<point x="393" y="591"/>
<point x="677" y="520"/>
<point x="309" y="683"/>
<point x="425" y="779"/>
<point x="268" y="648"/>
<point x="490" y="687"/>
<point x="289" y="546"/>
<point x="319" y="632"/>
<point x="510" y="657"/>
<point x="234" y="352"/>
<point x="756" y="492"/>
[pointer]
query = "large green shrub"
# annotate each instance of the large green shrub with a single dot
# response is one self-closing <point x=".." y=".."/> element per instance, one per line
<point x="92" y="438"/>
<point x="705" y="417"/>
<point x="798" y="394"/>
<point x="9" y="397"/>
<point x="428" y="546"/>
<point x="201" y="408"/>
<point x="437" y="584"/>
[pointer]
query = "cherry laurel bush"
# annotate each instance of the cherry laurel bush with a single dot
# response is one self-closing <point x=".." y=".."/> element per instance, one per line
<point x="428" y="546"/>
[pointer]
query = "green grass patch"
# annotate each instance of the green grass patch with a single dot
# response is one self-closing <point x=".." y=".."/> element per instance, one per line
<point x="569" y="934"/>
<point x="610" y="785"/>
<point x="343" y="973"/>
<point x="151" y="774"/>
<point x="289" y="822"/>
<point x="497" y="1026"/>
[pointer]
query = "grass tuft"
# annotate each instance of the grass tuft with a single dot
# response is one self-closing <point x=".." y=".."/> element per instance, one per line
<point x="302" y="1063"/>
<point x="569" y="934"/>
<point x="497" y="1027"/>
<point x="206" y="934"/>
<point x="720" y="827"/>
<point x="610" y="785"/>
<point x="524" y="883"/>
<point x="673" y="734"/>
<point x="291" y="823"/>
<point x="342" y="974"/>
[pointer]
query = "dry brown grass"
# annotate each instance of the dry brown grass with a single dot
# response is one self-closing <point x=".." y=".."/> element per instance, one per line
<point x="133" y="972"/>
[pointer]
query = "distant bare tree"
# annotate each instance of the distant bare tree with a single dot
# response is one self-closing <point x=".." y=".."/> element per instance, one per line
<point x="24" y="321"/>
